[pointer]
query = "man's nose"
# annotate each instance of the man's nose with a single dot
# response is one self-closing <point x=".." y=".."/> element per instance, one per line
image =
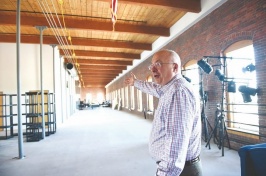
<point x="153" y="69"/>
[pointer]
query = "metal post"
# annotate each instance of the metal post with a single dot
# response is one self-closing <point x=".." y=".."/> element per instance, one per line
<point x="61" y="87"/>
<point x="53" y="46"/>
<point x="41" y="28"/>
<point x="20" y="132"/>
<point x="54" y="108"/>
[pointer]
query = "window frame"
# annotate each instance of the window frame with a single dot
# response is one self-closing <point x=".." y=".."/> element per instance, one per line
<point x="230" y="107"/>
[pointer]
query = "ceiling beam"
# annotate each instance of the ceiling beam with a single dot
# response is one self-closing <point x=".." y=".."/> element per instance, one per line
<point x="84" y="76"/>
<point x="101" y="62"/>
<point x="97" y="67"/>
<point x="95" y="85"/>
<point x="183" y="5"/>
<point x="103" y="73"/>
<point x="88" y="71"/>
<point x="97" y="81"/>
<point x="111" y="43"/>
<point x="84" y="24"/>
<point x="106" y="74"/>
<point x="104" y="54"/>
<point x="35" y="39"/>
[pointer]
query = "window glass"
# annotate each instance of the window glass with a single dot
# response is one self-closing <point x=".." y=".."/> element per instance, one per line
<point x="126" y="98"/>
<point x="88" y="98"/>
<point x="139" y="97"/>
<point x="191" y="73"/>
<point x="100" y="98"/>
<point x="149" y="97"/>
<point x="132" y="99"/>
<point x="244" y="115"/>
<point x="123" y="96"/>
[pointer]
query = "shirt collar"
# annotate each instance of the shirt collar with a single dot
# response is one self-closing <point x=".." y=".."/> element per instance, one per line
<point x="165" y="87"/>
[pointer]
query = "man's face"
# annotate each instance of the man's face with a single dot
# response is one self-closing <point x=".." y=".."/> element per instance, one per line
<point x="162" y="69"/>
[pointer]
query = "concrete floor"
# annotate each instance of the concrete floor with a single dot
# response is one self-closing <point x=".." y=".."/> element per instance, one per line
<point x="100" y="142"/>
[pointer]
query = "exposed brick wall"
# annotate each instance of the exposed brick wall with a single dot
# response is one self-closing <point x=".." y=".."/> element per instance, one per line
<point x="234" y="21"/>
<point x="93" y="91"/>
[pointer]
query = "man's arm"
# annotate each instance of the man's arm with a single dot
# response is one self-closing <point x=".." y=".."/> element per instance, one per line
<point x="146" y="87"/>
<point x="130" y="80"/>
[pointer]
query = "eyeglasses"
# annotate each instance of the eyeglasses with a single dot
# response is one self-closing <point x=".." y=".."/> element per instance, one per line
<point x="157" y="65"/>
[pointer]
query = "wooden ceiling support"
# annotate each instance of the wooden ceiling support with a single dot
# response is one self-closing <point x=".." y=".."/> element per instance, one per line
<point x="97" y="67"/>
<point x="93" y="71"/>
<point x="104" y="54"/>
<point x="84" y="24"/>
<point x="35" y="39"/>
<point x="102" y="62"/>
<point x="183" y="5"/>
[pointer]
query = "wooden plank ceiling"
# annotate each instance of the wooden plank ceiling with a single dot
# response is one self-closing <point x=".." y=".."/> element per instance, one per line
<point x="83" y="30"/>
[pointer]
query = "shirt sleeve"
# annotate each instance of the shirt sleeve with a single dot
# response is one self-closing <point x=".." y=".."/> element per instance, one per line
<point x="147" y="87"/>
<point x="178" y="126"/>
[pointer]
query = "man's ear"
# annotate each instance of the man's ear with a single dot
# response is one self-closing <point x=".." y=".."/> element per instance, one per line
<point x="175" y="68"/>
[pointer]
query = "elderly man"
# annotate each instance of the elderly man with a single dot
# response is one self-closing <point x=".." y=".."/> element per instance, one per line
<point x="175" y="140"/>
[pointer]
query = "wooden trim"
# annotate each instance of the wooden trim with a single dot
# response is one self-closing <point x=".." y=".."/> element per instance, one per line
<point x="243" y="133"/>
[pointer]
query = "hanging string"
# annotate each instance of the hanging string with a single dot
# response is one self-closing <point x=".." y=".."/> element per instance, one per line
<point x="64" y="42"/>
<point x="113" y="7"/>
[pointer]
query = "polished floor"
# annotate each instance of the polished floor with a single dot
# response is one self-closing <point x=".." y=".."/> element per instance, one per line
<point x="100" y="142"/>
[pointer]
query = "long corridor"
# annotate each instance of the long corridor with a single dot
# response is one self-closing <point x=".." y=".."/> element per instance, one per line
<point x="100" y="142"/>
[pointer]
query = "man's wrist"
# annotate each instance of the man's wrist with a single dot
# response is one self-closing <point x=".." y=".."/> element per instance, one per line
<point x="160" y="173"/>
<point x="134" y="82"/>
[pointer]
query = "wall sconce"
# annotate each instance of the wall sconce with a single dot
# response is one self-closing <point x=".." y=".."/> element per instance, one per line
<point x="69" y="66"/>
<point x="247" y="92"/>
<point x="249" y="68"/>
<point x="205" y="66"/>
<point x="73" y="72"/>
<point x="219" y="74"/>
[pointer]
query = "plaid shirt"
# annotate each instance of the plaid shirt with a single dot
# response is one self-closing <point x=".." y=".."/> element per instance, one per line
<point x="176" y="132"/>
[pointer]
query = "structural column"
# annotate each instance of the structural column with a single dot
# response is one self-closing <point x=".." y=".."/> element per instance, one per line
<point x="41" y="28"/>
<point x="20" y="131"/>
<point x="54" y="108"/>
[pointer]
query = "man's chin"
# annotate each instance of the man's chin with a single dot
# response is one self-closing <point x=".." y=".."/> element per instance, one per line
<point x="157" y="81"/>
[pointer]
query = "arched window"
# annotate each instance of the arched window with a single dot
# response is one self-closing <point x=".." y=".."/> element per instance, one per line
<point x="132" y="97"/>
<point x="100" y="98"/>
<point x="126" y="97"/>
<point x="242" y="107"/>
<point x="149" y="97"/>
<point x="139" y="97"/>
<point x="123" y="96"/>
<point x="191" y="73"/>
<point x="89" y="98"/>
